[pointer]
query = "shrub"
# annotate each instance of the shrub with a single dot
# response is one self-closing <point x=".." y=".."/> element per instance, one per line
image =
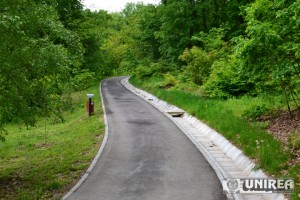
<point x="255" y="112"/>
<point x="169" y="81"/>
<point x="83" y="80"/>
<point x="142" y="72"/>
<point x="226" y="79"/>
<point x="198" y="64"/>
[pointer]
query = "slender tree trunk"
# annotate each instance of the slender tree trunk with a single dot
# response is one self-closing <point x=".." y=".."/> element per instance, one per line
<point x="293" y="97"/>
<point x="296" y="71"/>
<point x="216" y="14"/>
<point x="297" y="96"/>
<point x="204" y="19"/>
<point x="286" y="99"/>
<point x="193" y="17"/>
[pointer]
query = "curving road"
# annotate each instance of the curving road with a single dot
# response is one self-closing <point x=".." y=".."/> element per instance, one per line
<point x="146" y="156"/>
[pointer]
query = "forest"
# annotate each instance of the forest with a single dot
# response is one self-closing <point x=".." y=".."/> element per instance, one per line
<point x="225" y="49"/>
<point x="219" y="50"/>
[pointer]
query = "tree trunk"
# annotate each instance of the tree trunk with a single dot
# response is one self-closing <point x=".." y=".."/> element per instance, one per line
<point x="293" y="97"/>
<point x="193" y="17"/>
<point x="204" y="19"/>
<point x="286" y="99"/>
<point x="296" y="71"/>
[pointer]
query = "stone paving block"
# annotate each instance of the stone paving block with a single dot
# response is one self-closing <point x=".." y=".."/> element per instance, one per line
<point x="223" y="159"/>
<point x="228" y="164"/>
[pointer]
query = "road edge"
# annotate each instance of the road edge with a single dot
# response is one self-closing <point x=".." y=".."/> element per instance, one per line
<point x="96" y="158"/>
<point x="220" y="172"/>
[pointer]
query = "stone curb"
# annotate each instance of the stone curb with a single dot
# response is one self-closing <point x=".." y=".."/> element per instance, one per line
<point x="88" y="171"/>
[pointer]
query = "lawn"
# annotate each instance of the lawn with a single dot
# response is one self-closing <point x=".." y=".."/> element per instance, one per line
<point x="45" y="161"/>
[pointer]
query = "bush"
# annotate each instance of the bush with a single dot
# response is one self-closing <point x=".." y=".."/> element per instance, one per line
<point x="255" y="112"/>
<point x="226" y="80"/>
<point x="83" y="80"/>
<point x="198" y="64"/>
<point x="142" y="72"/>
<point x="148" y="70"/>
<point x="169" y="81"/>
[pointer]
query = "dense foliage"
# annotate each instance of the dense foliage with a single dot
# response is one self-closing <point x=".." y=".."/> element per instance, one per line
<point x="224" y="48"/>
<point x="48" y="48"/>
<point x="216" y="50"/>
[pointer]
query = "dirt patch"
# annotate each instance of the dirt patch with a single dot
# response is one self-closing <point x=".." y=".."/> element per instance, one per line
<point x="287" y="130"/>
<point x="10" y="184"/>
<point x="283" y="126"/>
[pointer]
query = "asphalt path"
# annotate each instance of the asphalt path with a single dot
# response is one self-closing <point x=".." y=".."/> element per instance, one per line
<point x="146" y="156"/>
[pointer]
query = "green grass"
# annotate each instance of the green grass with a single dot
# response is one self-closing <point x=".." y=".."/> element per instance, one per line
<point x="35" y="164"/>
<point x="225" y="117"/>
<point x="240" y="105"/>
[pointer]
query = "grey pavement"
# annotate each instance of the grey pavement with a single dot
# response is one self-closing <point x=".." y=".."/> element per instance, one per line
<point x="146" y="156"/>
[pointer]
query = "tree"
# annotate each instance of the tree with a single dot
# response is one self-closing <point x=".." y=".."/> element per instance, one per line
<point x="93" y="31"/>
<point x="132" y="41"/>
<point x="37" y="55"/>
<point x="178" y="24"/>
<point x="270" y="52"/>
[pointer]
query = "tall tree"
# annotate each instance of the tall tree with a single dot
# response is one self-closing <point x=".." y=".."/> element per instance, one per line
<point x="271" y="51"/>
<point x="37" y="56"/>
<point x="93" y="31"/>
<point x="179" y="23"/>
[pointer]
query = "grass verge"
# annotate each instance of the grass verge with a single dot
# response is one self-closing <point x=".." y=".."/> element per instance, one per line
<point x="224" y="116"/>
<point x="43" y="162"/>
